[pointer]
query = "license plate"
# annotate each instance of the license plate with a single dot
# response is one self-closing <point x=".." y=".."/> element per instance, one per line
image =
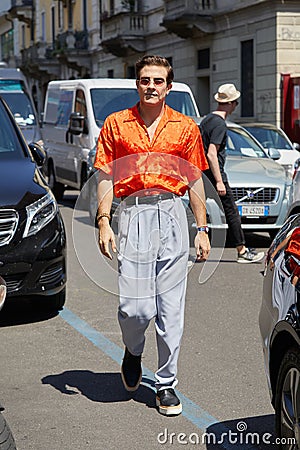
<point x="253" y="210"/>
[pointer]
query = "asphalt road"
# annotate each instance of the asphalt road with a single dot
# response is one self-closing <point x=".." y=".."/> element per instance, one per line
<point x="60" y="377"/>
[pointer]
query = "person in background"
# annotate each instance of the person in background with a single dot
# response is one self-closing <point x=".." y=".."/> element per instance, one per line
<point x="151" y="155"/>
<point x="214" y="135"/>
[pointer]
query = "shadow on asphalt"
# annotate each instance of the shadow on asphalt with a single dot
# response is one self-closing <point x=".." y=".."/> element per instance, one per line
<point x="98" y="387"/>
<point x="69" y="199"/>
<point x="258" y="240"/>
<point x="21" y="311"/>
<point x="243" y="433"/>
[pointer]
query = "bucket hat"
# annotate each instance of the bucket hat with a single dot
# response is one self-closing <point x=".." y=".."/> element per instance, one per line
<point x="227" y="93"/>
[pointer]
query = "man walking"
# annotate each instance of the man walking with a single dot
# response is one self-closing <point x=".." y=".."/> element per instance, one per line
<point x="214" y="134"/>
<point x="150" y="155"/>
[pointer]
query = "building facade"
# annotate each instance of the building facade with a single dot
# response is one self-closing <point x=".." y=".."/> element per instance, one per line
<point x="251" y="43"/>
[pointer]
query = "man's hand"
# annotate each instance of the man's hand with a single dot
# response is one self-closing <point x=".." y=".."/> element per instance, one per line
<point x="106" y="238"/>
<point x="221" y="189"/>
<point x="202" y="246"/>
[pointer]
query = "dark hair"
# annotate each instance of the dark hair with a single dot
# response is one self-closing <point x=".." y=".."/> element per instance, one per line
<point x="154" y="60"/>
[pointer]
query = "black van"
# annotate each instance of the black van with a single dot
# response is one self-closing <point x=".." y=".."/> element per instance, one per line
<point x="32" y="234"/>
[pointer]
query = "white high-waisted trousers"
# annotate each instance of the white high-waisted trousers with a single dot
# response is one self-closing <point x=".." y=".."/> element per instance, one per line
<point x="153" y="256"/>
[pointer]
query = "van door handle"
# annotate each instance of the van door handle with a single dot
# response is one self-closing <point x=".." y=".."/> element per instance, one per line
<point x="67" y="137"/>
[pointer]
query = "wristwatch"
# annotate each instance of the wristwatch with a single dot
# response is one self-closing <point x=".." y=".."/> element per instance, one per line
<point x="203" y="228"/>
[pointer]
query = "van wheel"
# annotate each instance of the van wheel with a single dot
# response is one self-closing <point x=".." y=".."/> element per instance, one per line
<point x="93" y="200"/>
<point x="84" y="188"/>
<point x="83" y="177"/>
<point x="56" y="188"/>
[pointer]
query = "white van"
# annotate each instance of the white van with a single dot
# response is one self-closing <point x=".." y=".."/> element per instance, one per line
<point x="15" y="91"/>
<point x="74" y="113"/>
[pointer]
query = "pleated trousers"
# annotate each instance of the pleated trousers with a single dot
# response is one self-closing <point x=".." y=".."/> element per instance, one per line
<point x="153" y="254"/>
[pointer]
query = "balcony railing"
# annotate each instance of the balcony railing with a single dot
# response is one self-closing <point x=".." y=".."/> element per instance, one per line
<point x="21" y="3"/>
<point x="69" y="40"/>
<point x="124" y="32"/>
<point x="193" y="6"/>
<point x="188" y="18"/>
<point x="126" y="24"/>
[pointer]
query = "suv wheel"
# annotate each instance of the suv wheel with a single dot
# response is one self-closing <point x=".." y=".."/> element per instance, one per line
<point x="56" y="188"/>
<point x="287" y="400"/>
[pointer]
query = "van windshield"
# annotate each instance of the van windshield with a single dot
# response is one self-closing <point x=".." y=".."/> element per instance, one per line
<point x="107" y="101"/>
<point x="13" y="92"/>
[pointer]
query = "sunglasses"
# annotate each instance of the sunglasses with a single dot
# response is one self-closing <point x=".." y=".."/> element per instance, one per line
<point x="145" y="81"/>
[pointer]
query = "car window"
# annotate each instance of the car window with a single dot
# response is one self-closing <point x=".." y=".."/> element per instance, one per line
<point x="14" y="93"/>
<point x="10" y="146"/>
<point x="59" y="106"/>
<point x="80" y="103"/>
<point x="240" y="143"/>
<point x="270" y="138"/>
<point x="107" y="101"/>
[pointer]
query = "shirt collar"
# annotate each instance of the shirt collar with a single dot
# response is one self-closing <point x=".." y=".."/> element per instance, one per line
<point x="169" y="115"/>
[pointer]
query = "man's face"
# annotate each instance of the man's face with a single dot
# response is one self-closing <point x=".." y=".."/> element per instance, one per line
<point x="152" y="85"/>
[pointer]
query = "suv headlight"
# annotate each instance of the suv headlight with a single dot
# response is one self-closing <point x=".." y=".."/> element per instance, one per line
<point x="287" y="191"/>
<point x="289" y="171"/>
<point x="39" y="214"/>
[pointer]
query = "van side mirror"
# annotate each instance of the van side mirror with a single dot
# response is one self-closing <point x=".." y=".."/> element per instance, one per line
<point x="274" y="154"/>
<point x="38" y="153"/>
<point x="296" y="146"/>
<point x="77" y="124"/>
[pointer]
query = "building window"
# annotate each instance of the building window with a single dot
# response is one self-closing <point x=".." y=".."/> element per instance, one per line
<point x="110" y="73"/>
<point x="130" y="72"/>
<point x="111" y="7"/>
<point x="247" y="78"/>
<point x="53" y="26"/>
<point x="203" y="59"/>
<point x="43" y="26"/>
<point x="84" y="6"/>
<point x="23" y="39"/>
<point x="7" y="44"/>
<point x="60" y="15"/>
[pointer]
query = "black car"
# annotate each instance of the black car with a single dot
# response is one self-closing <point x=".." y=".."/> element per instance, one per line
<point x="279" y="322"/>
<point x="32" y="234"/>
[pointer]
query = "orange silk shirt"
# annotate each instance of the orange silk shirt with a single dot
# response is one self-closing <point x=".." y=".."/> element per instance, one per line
<point x="173" y="158"/>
